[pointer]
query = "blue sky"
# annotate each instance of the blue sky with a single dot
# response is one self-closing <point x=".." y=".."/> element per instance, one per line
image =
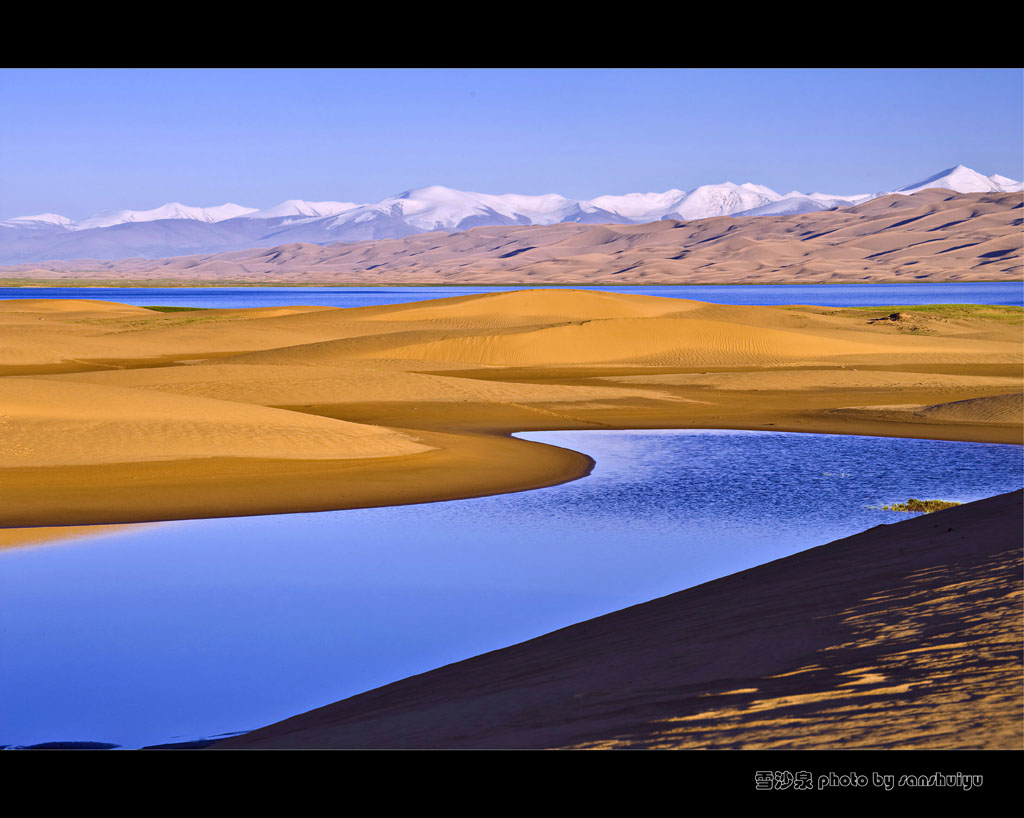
<point x="79" y="141"/>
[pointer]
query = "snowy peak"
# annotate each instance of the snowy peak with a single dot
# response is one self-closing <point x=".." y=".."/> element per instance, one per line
<point x="434" y="193"/>
<point x="963" y="180"/>
<point x="172" y="210"/>
<point x="1006" y="185"/>
<point x="640" y="207"/>
<point x="225" y="212"/>
<point x="544" y="208"/>
<point x="723" y="200"/>
<point x="761" y="190"/>
<point x="301" y="209"/>
<point x="41" y="220"/>
<point x="436" y="207"/>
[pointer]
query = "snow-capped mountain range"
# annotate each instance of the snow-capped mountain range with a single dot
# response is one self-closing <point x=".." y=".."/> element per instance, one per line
<point x="177" y="229"/>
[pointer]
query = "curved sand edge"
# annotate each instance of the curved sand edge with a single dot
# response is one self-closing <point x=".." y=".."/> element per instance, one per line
<point x="904" y="636"/>
<point x="457" y="467"/>
<point x="475" y="462"/>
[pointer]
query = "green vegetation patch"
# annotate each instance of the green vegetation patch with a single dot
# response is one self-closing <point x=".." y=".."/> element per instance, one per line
<point x="990" y="312"/>
<point x="922" y="506"/>
<point x="172" y="309"/>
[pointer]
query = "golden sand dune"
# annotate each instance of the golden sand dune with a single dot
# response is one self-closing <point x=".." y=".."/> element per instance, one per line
<point x="342" y="382"/>
<point x="83" y="306"/>
<point x="933" y="235"/>
<point x="904" y="636"/>
<point x="997" y="409"/>
<point x="33" y="337"/>
<point x="533" y="307"/>
<point x="46" y="423"/>
<point x="529" y="328"/>
<point x="843" y="377"/>
<point x="672" y="342"/>
<point x="114" y="414"/>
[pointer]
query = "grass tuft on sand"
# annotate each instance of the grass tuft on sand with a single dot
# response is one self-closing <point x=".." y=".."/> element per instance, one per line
<point x="171" y="309"/>
<point x="989" y="312"/>
<point x="922" y="506"/>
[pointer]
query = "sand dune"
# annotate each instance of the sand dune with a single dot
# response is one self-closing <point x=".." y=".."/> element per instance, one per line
<point x="669" y="342"/>
<point x="840" y="377"/>
<point x="904" y="636"/>
<point x="998" y="409"/>
<point x="117" y="414"/>
<point x="286" y="383"/>
<point x="83" y="306"/>
<point x="534" y="307"/>
<point x="47" y="423"/>
<point x="933" y="235"/>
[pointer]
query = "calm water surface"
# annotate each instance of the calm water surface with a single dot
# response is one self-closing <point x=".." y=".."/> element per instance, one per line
<point x="825" y="295"/>
<point x="196" y="628"/>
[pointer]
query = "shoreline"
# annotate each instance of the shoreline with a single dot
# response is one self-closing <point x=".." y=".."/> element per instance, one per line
<point x="465" y="466"/>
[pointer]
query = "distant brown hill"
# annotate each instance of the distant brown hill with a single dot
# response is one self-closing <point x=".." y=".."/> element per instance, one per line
<point x="934" y="235"/>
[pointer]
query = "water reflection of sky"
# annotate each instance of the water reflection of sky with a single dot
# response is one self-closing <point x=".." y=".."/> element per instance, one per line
<point x="209" y="626"/>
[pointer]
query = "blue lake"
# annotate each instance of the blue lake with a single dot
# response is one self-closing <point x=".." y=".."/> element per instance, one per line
<point x="174" y="631"/>
<point x="825" y="295"/>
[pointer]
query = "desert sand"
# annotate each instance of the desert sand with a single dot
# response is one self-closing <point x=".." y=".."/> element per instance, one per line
<point x="906" y="636"/>
<point x="117" y="414"/>
<point x="933" y="235"/>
